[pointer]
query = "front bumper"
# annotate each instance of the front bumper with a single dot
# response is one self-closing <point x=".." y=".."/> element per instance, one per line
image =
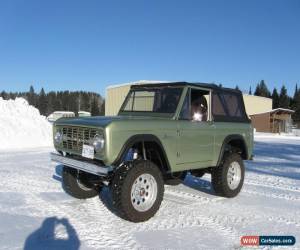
<point x="81" y="165"/>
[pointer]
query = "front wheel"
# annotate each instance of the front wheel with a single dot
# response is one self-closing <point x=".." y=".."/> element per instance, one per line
<point x="137" y="190"/>
<point x="228" y="179"/>
<point x="75" y="183"/>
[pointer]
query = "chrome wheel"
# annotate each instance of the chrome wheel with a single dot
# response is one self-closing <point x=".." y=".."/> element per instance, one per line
<point x="143" y="192"/>
<point x="234" y="175"/>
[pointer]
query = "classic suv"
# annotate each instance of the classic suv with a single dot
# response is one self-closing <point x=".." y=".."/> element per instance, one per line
<point x="162" y="132"/>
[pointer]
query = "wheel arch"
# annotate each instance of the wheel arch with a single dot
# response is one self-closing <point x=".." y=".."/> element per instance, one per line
<point x="235" y="141"/>
<point x="145" y="139"/>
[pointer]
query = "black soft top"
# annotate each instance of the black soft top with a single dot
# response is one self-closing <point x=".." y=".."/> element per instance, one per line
<point x="182" y="84"/>
<point x="230" y="110"/>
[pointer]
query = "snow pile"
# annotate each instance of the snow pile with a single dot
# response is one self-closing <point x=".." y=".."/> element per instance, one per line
<point x="22" y="126"/>
<point x="275" y="135"/>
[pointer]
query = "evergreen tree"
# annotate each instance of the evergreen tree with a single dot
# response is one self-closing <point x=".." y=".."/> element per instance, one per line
<point x="257" y="91"/>
<point x="296" y="105"/>
<point x="31" y="97"/>
<point x="250" y="91"/>
<point x="237" y="87"/>
<point x="73" y="102"/>
<point x="95" y="110"/>
<point x="296" y="91"/>
<point x="284" y="99"/>
<point x="275" y="98"/>
<point x="43" y="102"/>
<point x="294" y="98"/>
<point x="4" y="95"/>
<point x="102" y="112"/>
<point x="262" y="90"/>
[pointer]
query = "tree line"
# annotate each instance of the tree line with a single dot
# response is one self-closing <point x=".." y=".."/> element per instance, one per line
<point x="281" y="99"/>
<point x="52" y="101"/>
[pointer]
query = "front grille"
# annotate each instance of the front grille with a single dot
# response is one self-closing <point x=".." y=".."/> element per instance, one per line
<point x="75" y="137"/>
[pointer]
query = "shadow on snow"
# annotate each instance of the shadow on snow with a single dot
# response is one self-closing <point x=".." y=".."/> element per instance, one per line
<point x="45" y="237"/>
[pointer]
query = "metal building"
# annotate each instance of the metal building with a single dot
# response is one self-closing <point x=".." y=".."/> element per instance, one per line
<point x="115" y="95"/>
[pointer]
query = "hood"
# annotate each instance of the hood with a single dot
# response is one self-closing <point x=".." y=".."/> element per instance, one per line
<point x="97" y="121"/>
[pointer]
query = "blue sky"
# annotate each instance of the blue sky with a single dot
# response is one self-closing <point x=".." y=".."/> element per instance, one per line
<point x="88" y="45"/>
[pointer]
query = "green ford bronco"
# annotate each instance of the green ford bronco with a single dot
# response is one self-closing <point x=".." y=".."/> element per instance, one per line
<point x="162" y="132"/>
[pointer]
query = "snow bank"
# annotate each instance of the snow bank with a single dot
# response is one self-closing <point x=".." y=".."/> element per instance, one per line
<point x="261" y="135"/>
<point x="22" y="126"/>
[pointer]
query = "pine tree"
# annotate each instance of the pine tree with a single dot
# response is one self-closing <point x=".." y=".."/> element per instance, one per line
<point x="284" y="99"/>
<point x="42" y="102"/>
<point x="296" y="106"/>
<point x="296" y="91"/>
<point x="102" y="112"/>
<point x="4" y="95"/>
<point x="275" y="98"/>
<point x="31" y="97"/>
<point x="257" y="91"/>
<point x="262" y="89"/>
<point x="294" y="98"/>
<point x="250" y="91"/>
<point x="95" y="110"/>
<point x="237" y="87"/>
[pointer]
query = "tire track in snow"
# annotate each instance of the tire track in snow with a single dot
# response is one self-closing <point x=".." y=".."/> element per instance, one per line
<point x="287" y="197"/>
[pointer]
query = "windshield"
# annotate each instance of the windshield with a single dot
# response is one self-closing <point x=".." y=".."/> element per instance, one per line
<point x="157" y="100"/>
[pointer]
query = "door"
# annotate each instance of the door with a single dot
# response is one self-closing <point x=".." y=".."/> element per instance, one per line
<point x="196" y="131"/>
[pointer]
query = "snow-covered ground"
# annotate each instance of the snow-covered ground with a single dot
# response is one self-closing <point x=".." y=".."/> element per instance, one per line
<point x="35" y="213"/>
<point x="22" y="126"/>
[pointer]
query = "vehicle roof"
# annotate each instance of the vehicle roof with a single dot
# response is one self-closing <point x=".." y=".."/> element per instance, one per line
<point x="197" y="84"/>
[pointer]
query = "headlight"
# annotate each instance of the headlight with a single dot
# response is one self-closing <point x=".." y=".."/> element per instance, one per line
<point x="98" y="142"/>
<point x="58" y="137"/>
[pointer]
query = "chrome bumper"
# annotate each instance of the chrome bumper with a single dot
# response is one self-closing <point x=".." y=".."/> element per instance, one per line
<point x="81" y="165"/>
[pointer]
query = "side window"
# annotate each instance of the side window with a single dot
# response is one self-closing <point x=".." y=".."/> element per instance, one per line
<point x="195" y="106"/>
<point x="227" y="106"/>
<point x="233" y="105"/>
<point x="217" y="107"/>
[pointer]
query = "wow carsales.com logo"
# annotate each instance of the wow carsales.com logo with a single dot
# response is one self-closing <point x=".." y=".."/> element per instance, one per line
<point x="268" y="240"/>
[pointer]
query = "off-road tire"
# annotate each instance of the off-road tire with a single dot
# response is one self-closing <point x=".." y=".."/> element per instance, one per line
<point x="74" y="187"/>
<point x="121" y="186"/>
<point x="219" y="176"/>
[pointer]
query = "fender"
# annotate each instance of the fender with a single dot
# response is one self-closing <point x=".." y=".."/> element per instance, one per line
<point x="141" y="138"/>
<point x="226" y="141"/>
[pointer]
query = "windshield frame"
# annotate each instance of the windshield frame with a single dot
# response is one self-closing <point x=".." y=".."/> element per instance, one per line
<point x="151" y="113"/>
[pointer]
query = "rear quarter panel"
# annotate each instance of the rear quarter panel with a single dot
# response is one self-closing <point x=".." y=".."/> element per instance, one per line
<point x="224" y="129"/>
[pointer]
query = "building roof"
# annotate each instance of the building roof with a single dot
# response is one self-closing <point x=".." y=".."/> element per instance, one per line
<point x="257" y="97"/>
<point x="280" y="110"/>
<point x="112" y="86"/>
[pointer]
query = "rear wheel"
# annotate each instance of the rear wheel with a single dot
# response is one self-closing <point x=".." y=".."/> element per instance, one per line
<point x="137" y="190"/>
<point x="75" y="183"/>
<point x="228" y="178"/>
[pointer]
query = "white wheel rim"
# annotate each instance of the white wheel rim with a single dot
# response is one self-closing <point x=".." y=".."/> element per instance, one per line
<point x="234" y="175"/>
<point x="143" y="192"/>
